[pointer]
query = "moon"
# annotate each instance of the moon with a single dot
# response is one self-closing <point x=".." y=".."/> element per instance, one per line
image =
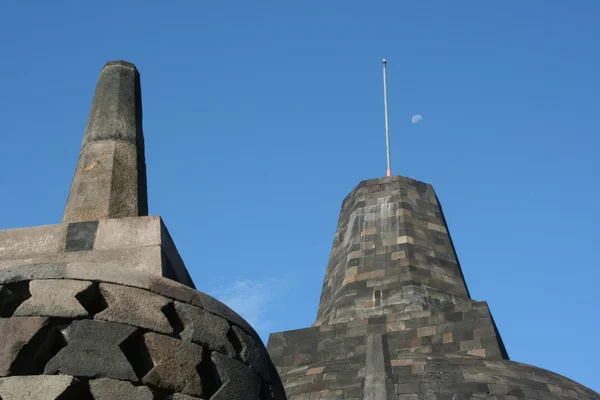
<point x="416" y="118"/>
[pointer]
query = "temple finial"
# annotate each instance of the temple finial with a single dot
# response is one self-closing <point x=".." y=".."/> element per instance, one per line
<point x="110" y="179"/>
<point x="387" y="125"/>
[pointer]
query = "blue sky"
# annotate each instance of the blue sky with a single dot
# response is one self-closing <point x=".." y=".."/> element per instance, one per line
<point x="260" y="117"/>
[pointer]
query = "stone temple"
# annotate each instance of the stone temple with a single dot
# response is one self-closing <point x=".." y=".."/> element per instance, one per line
<point x="102" y="307"/>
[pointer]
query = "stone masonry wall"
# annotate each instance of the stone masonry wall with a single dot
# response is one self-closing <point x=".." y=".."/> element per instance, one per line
<point x="391" y="252"/>
<point x="396" y="321"/>
<point x="143" y="241"/>
<point x="333" y="357"/>
<point x="88" y="331"/>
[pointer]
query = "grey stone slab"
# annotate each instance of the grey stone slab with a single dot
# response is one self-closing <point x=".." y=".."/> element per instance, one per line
<point x="15" y="334"/>
<point x="175" y="364"/>
<point x="175" y="290"/>
<point x="253" y="353"/>
<point x="239" y="381"/>
<point x="134" y="307"/>
<point x="93" y="350"/>
<point x="204" y="328"/>
<point x="35" y="387"/>
<point x="81" y="236"/>
<point x="110" y="179"/>
<point x="54" y="298"/>
<point x="24" y="243"/>
<point x="105" y="272"/>
<point x="110" y="389"/>
<point x="377" y="383"/>
<point x="128" y="232"/>
<point x="141" y="259"/>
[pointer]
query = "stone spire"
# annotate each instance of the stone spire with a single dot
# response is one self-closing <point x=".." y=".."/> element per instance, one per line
<point x="392" y="253"/>
<point x="102" y="306"/>
<point x="396" y="321"/>
<point x="110" y="178"/>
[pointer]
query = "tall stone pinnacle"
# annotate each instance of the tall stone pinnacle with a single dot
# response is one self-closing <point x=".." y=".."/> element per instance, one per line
<point x="392" y="252"/>
<point x="110" y="178"/>
<point x="102" y="306"/>
<point x="396" y="320"/>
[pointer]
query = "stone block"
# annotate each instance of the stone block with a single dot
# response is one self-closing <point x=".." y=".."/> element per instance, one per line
<point x="15" y="334"/>
<point x="254" y="354"/>
<point x="54" y="298"/>
<point x="128" y="232"/>
<point x="110" y="179"/>
<point x="81" y="236"/>
<point x="93" y="350"/>
<point x="36" y="387"/>
<point x="239" y="382"/>
<point x="144" y="233"/>
<point x="175" y="290"/>
<point x="175" y="364"/>
<point x="134" y="307"/>
<point x="27" y="243"/>
<point x="204" y="328"/>
<point x="109" y="389"/>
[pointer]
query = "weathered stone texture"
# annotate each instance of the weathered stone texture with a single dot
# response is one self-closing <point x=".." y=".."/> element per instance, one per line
<point x="93" y="350"/>
<point x="110" y="179"/>
<point x="176" y="364"/>
<point x="92" y="308"/>
<point x="15" y="334"/>
<point x="81" y="236"/>
<point x="239" y="382"/>
<point x="110" y="389"/>
<point x="36" y="387"/>
<point x="27" y="243"/>
<point x="56" y="298"/>
<point x="134" y="307"/>
<point x="144" y="242"/>
<point x="391" y="253"/>
<point x="396" y="321"/>
<point x="122" y="358"/>
<point x="204" y="328"/>
<point x="253" y="354"/>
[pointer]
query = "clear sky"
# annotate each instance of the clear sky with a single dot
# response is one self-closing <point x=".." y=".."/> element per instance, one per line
<point x="260" y="117"/>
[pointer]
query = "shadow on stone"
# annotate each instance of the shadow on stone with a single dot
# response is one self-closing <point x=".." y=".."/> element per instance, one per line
<point x="137" y="354"/>
<point x="237" y="344"/>
<point x="12" y="296"/>
<point x="174" y="320"/>
<point x="92" y="300"/>
<point x="34" y="356"/>
<point x="211" y="381"/>
<point x="80" y="390"/>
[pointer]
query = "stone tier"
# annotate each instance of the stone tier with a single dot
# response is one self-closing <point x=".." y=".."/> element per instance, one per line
<point x="431" y="377"/>
<point x="144" y="242"/>
<point x="391" y="252"/>
<point x="90" y="331"/>
<point x="453" y="353"/>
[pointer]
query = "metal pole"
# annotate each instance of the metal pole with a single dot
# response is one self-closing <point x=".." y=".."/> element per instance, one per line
<point x="387" y="126"/>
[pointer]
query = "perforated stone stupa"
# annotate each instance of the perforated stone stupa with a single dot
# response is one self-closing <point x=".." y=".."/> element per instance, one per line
<point x="101" y="305"/>
<point x="395" y="319"/>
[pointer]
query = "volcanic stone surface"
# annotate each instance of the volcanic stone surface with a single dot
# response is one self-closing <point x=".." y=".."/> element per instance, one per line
<point x="89" y="357"/>
<point x="395" y="318"/>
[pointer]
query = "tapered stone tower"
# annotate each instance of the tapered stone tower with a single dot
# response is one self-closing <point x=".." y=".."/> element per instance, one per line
<point x="396" y="320"/>
<point x="101" y="306"/>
